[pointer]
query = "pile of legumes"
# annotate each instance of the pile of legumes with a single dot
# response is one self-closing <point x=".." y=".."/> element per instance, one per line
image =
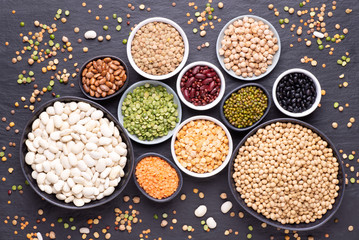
<point x="103" y="77"/>
<point x="200" y="85"/>
<point x="245" y="107"/>
<point x="157" y="48"/>
<point x="288" y="173"/>
<point x="149" y="112"/>
<point x="201" y="146"/>
<point x="76" y="153"/>
<point x="296" y="92"/>
<point x="157" y="177"/>
<point x="248" y="47"/>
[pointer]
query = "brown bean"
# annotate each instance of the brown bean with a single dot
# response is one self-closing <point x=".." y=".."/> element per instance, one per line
<point x="107" y="60"/>
<point x="186" y="95"/>
<point x="211" y="74"/>
<point x="190" y="81"/>
<point x="86" y="88"/>
<point x="211" y="86"/>
<point x="103" y="77"/>
<point x="116" y="73"/>
<point x="113" y="66"/>
<point x="195" y="70"/>
<point x="109" y="84"/>
<point x="104" y="88"/>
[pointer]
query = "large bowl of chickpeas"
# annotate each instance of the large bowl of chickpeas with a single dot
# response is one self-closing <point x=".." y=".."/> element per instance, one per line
<point x="157" y="48"/>
<point x="288" y="174"/>
<point x="248" y="47"/>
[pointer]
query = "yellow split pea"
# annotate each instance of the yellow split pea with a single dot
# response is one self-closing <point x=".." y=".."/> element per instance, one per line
<point x="201" y="146"/>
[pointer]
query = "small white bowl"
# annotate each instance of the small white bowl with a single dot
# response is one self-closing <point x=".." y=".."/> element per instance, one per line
<point x="175" y="100"/>
<point x="217" y="170"/>
<point x="275" y="57"/>
<point x="221" y="91"/>
<point x="317" y="88"/>
<point x="185" y="41"/>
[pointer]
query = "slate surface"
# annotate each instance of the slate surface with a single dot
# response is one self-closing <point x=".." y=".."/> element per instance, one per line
<point x="27" y="204"/>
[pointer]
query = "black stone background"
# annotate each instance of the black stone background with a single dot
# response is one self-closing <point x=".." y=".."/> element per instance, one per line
<point x="27" y="204"/>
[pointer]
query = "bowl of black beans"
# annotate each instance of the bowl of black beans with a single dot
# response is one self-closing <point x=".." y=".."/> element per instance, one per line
<point x="296" y="92"/>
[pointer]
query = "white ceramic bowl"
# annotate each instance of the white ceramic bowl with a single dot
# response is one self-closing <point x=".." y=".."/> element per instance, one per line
<point x="275" y="58"/>
<point x="221" y="92"/>
<point x="217" y="170"/>
<point x="175" y="100"/>
<point x="185" y="41"/>
<point x="317" y="87"/>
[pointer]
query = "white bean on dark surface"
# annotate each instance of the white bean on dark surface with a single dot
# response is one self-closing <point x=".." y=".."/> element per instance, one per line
<point x="296" y="92"/>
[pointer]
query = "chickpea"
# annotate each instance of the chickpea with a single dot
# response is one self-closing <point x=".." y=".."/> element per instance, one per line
<point x="303" y="172"/>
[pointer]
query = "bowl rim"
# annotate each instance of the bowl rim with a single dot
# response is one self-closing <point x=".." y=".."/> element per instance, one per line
<point x="60" y="203"/>
<point x="317" y="87"/>
<point x="155" y="83"/>
<point x="291" y="227"/>
<point x="221" y="91"/>
<point x="269" y="104"/>
<point x="224" y="163"/>
<point x="185" y="41"/>
<point x="180" y="177"/>
<point x="276" y="56"/>
<point x="124" y="86"/>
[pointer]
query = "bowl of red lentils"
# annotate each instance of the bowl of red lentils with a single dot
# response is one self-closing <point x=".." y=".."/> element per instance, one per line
<point x="201" y="146"/>
<point x="157" y="48"/>
<point x="200" y="85"/>
<point x="157" y="177"/>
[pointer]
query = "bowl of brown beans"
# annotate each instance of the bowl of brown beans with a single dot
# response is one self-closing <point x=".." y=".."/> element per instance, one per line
<point x="200" y="85"/>
<point x="158" y="178"/>
<point x="245" y="107"/>
<point x="201" y="146"/>
<point x="103" y="77"/>
<point x="157" y="48"/>
<point x="288" y="174"/>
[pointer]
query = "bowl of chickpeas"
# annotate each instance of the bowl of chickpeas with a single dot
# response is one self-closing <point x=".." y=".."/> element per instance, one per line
<point x="248" y="47"/>
<point x="157" y="48"/>
<point x="201" y="146"/>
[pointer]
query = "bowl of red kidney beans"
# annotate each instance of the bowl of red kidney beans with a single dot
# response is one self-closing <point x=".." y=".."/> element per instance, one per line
<point x="200" y="85"/>
<point x="296" y="92"/>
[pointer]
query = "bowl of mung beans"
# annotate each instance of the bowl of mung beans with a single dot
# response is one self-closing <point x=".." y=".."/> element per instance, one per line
<point x="201" y="146"/>
<point x="245" y="107"/>
<point x="103" y="77"/>
<point x="248" y="47"/>
<point x="157" y="48"/>
<point x="158" y="178"/>
<point x="149" y="111"/>
<point x="288" y="174"/>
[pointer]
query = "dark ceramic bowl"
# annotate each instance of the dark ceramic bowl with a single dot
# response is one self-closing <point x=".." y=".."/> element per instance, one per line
<point x="110" y="96"/>
<point x="27" y="170"/>
<point x="291" y="227"/>
<point x="180" y="178"/>
<point x="228" y="124"/>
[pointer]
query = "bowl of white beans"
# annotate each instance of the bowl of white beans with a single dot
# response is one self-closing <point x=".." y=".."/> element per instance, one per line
<point x="248" y="47"/>
<point x="75" y="154"/>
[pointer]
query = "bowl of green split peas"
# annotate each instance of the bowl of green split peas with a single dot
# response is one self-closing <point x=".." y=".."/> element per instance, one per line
<point x="245" y="107"/>
<point x="149" y="111"/>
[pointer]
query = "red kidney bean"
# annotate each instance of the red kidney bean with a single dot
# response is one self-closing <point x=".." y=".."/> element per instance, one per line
<point x="190" y="81"/>
<point x="186" y="95"/>
<point x="211" y="86"/>
<point x="207" y="81"/>
<point x="196" y="70"/>
<point x="200" y="85"/>
<point x="200" y="76"/>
